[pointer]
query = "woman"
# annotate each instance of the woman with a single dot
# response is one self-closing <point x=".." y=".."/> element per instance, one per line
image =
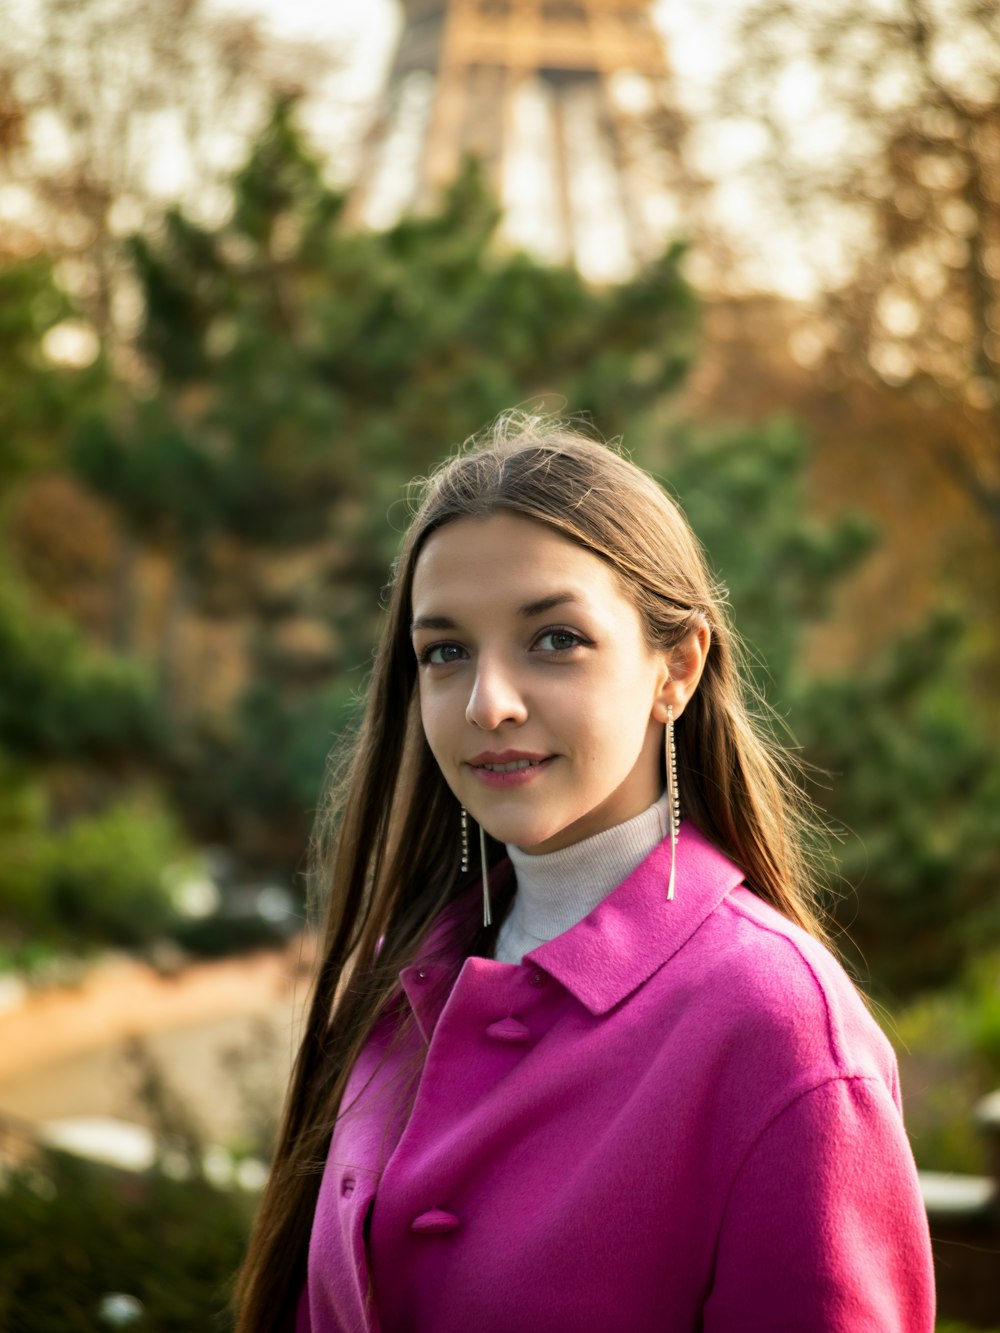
<point x="577" y="1058"/>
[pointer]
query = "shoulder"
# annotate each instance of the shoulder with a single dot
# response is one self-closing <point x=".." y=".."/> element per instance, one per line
<point x="783" y="997"/>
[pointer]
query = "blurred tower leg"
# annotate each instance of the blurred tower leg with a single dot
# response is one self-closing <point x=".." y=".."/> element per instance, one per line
<point x="565" y="104"/>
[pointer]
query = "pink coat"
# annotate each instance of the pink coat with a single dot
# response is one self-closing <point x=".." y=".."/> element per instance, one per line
<point x="675" y="1117"/>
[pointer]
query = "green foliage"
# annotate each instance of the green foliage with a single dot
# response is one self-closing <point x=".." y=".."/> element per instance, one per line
<point x="915" y="783"/>
<point x="286" y="742"/>
<point x="304" y="371"/>
<point x="72" y="1232"/>
<point x="899" y="760"/>
<point x="105" y="875"/>
<point x="964" y="1019"/>
<point x="93" y="880"/>
<point x="259" y="771"/>
<point x="949" y="1055"/>
<point x="166" y="487"/>
<point x="61" y="698"/>
<point x="300" y="361"/>
<point x="744" y="491"/>
<point x="39" y="402"/>
<point x="78" y="858"/>
<point x="979" y="1017"/>
<point x="171" y="1238"/>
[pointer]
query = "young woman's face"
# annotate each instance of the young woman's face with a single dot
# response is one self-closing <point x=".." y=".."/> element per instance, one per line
<point x="540" y="698"/>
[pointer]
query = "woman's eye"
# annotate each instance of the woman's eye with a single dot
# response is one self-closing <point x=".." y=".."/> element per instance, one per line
<point x="558" y="640"/>
<point x="441" y="654"/>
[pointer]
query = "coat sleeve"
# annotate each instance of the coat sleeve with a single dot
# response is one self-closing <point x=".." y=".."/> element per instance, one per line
<point x="824" y="1230"/>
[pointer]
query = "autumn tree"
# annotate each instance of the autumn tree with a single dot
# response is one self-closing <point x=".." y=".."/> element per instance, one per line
<point x="109" y="109"/>
<point x="879" y="134"/>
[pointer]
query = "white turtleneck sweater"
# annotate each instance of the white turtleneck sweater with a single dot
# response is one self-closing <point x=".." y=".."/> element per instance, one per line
<point x="555" y="890"/>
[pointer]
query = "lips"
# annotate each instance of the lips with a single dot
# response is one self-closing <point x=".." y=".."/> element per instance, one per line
<point x="508" y="768"/>
<point x="507" y="761"/>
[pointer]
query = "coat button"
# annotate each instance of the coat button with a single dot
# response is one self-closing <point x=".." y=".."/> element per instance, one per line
<point x="422" y="974"/>
<point x="508" y="1030"/>
<point x="537" y="979"/>
<point x="347" y="1186"/>
<point x="434" y="1223"/>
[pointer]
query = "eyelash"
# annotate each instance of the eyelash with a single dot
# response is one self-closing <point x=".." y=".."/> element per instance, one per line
<point x="424" y="656"/>
<point x="579" y="640"/>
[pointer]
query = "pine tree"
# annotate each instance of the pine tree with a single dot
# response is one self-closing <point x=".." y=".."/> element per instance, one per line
<point x="78" y="724"/>
<point x="303" y="372"/>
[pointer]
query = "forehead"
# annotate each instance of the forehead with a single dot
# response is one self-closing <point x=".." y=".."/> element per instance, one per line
<point x="505" y="558"/>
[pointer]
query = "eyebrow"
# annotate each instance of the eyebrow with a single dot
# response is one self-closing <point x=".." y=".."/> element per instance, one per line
<point x="527" y="611"/>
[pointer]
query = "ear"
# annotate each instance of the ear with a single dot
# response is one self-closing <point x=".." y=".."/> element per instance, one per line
<point x="684" y="665"/>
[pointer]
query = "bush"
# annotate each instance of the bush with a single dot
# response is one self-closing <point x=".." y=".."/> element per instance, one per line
<point x="97" y="879"/>
<point x="949" y="1049"/>
<point x="72" y="1232"/>
<point x="60" y="698"/>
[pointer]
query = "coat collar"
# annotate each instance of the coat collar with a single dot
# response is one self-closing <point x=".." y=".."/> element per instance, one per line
<point x="635" y="930"/>
<point x="613" y="950"/>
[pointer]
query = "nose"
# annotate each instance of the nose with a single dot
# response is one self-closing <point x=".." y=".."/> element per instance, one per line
<point x="495" y="698"/>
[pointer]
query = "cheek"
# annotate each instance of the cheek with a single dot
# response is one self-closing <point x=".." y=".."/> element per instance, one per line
<point x="435" y="716"/>
<point x="427" y="715"/>
<point x="622" y="702"/>
<point x="618" y="734"/>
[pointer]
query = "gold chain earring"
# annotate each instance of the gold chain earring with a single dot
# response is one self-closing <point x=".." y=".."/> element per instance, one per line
<point x="487" y="915"/>
<point x="673" y="797"/>
<point x="465" y="839"/>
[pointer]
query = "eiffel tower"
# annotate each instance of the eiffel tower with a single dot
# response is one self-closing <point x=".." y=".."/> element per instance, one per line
<point x="566" y="105"/>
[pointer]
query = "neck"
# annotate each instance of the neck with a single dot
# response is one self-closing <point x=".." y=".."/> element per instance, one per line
<point x="555" y="890"/>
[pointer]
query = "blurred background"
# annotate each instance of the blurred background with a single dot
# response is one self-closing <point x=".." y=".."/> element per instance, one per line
<point x="260" y="264"/>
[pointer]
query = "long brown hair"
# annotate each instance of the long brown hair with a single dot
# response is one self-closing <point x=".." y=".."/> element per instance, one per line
<point x="384" y="852"/>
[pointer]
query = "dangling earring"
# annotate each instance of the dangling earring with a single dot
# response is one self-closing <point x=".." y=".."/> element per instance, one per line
<point x="673" y="797"/>
<point x="487" y="915"/>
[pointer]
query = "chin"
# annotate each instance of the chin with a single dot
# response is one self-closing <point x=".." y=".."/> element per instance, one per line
<point x="538" y="839"/>
<point x="525" y="838"/>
